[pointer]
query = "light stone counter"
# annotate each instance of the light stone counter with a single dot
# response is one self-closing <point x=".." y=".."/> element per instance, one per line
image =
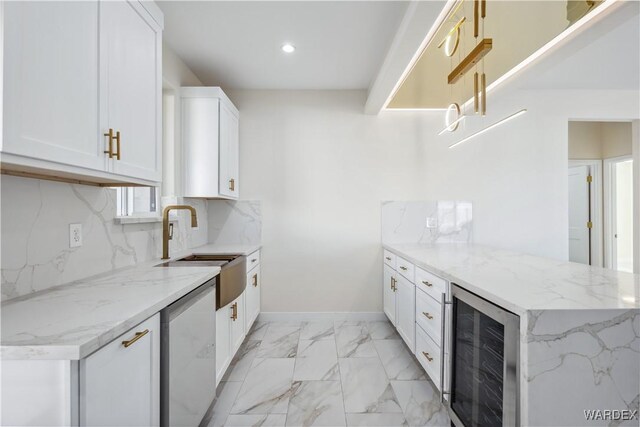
<point x="579" y="327"/>
<point x="69" y="322"/>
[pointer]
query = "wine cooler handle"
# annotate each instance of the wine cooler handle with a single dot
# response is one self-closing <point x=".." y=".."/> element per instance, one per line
<point x="448" y="344"/>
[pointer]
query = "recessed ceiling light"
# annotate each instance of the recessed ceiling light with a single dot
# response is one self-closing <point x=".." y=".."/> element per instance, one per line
<point x="288" y="48"/>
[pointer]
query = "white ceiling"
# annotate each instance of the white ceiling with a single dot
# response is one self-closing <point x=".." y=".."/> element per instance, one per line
<point x="236" y="44"/>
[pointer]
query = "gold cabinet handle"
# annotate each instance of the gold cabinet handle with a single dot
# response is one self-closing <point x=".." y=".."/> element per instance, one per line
<point x="427" y="315"/>
<point x="138" y="335"/>
<point x="388" y="258"/>
<point x="428" y="356"/>
<point x="234" y="311"/>
<point x="110" y="150"/>
<point x="232" y="184"/>
<point x="117" y="153"/>
<point x="403" y="268"/>
<point x="427" y="283"/>
<point x="255" y="280"/>
<point x="395" y="288"/>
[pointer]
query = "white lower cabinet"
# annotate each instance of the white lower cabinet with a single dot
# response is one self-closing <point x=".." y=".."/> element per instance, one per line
<point x="120" y="383"/>
<point x="223" y="340"/>
<point x="252" y="293"/>
<point x="406" y="311"/>
<point x="389" y="294"/>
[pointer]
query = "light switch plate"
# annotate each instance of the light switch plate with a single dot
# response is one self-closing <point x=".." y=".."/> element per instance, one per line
<point x="75" y="235"/>
<point x="432" y="222"/>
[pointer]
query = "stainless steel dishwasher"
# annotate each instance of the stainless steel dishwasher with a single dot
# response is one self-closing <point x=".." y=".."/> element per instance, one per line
<point x="188" y="357"/>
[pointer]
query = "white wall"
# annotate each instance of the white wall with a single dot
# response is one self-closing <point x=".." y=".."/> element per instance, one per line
<point x="599" y="140"/>
<point x="321" y="169"/>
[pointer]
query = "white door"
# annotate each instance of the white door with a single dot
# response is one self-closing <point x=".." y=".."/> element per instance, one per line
<point x="223" y="340"/>
<point x="132" y="91"/>
<point x="229" y="152"/>
<point x="621" y="212"/>
<point x="253" y="298"/>
<point x="238" y="323"/>
<point x="579" y="239"/>
<point x="51" y="108"/>
<point x="389" y="294"/>
<point x="406" y="311"/>
<point x="120" y="386"/>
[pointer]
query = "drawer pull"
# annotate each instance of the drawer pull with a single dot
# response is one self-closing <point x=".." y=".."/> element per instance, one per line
<point x="393" y="284"/>
<point x="234" y="311"/>
<point x="232" y="184"/>
<point x="254" y="260"/>
<point x="403" y="268"/>
<point x="139" y="335"/>
<point x="427" y="283"/>
<point x="429" y="358"/>
<point x="427" y="315"/>
<point x="255" y="280"/>
<point x="388" y="258"/>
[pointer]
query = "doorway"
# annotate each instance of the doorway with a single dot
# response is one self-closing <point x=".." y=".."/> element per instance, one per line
<point x="601" y="194"/>
<point x="618" y="235"/>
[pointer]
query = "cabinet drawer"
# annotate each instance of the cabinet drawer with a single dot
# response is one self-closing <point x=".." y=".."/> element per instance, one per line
<point x="430" y="283"/>
<point x="405" y="268"/>
<point x="390" y="259"/>
<point x="253" y="260"/>
<point x="429" y="316"/>
<point x="428" y="353"/>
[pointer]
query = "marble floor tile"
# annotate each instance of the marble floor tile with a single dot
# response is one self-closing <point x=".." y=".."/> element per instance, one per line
<point x="257" y="331"/>
<point x="420" y="403"/>
<point x="366" y="387"/>
<point x="382" y="331"/>
<point x="353" y="340"/>
<point x="280" y="340"/>
<point x="316" y="360"/>
<point x="398" y="362"/>
<point x="376" y="420"/>
<point x="267" y="387"/>
<point x="242" y="361"/>
<point x="263" y="420"/>
<point x="316" y="331"/>
<point x="226" y="396"/>
<point x="316" y="403"/>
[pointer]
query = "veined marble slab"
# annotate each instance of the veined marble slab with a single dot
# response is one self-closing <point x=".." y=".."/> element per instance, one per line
<point x="520" y="282"/>
<point x="69" y="322"/>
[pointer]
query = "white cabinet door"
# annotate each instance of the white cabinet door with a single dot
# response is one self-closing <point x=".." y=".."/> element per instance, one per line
<point x="229" y="152"/>
<point x="51" y="108"/>
<point x="238" y="323"/>
<point x="120" y="386"/>
<point x="132" y="84"/>
<point x="252" y="297"/>
<point x="406" y="311"/>
<point x="223" y="340"/>
<point x="389" y="294"/>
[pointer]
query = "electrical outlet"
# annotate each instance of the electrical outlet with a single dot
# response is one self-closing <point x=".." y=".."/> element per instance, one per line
<point x="432" y="222"/>
<point x="75" y="235"/>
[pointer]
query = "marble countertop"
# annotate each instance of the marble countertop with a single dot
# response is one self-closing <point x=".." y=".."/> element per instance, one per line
<point x="71" y="321"/>
<point x="521" y="282"/>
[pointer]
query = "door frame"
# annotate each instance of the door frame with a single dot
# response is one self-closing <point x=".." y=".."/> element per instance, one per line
<point x="595" y="207"/>
<point x="609" y="191"/>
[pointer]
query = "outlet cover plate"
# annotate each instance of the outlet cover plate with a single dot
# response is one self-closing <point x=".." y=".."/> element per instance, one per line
<point x="75" y="235"/>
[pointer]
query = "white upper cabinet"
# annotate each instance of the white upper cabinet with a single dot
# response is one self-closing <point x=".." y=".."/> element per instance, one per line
<point x="133" y="88"/>
<point x="210" y="138"/>
<point x="72" y="71"/>
<point x="51" y="82"/>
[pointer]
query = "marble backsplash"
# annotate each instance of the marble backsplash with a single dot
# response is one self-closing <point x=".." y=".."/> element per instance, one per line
<point x="406" y="221"/>
<point x="235" y="222"/>
<point x="35" y="234"/>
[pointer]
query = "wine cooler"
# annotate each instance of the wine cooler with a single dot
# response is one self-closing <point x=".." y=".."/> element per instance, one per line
<point x="483" y="361"/>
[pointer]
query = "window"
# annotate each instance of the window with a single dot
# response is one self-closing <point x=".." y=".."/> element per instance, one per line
<point x="137" y="202"/>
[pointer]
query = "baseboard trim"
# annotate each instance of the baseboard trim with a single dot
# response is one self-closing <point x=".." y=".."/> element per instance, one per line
<point x="274" y="316"/>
